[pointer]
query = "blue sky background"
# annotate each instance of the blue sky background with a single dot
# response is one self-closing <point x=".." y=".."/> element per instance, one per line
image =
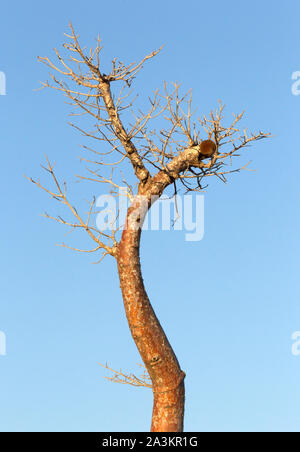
<point x="229" y="303"/>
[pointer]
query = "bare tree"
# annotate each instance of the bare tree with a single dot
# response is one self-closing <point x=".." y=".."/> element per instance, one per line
<point x="181" y="151"/>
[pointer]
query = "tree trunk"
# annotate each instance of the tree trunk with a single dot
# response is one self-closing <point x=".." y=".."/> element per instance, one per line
<point x="156" y="352"/>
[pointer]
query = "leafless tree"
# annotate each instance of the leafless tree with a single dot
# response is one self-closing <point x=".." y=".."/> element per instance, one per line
<point x="181" y="151"/>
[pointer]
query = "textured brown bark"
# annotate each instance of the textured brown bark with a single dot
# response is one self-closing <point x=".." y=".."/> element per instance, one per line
<point x="150" y="339"/>
<point x="156" y="352"/>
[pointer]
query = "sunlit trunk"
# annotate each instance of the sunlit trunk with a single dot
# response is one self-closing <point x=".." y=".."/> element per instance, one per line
<point x="151" y="341"/>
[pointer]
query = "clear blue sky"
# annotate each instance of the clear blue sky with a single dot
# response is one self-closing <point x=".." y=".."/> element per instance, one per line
<point x="230" y="302"/>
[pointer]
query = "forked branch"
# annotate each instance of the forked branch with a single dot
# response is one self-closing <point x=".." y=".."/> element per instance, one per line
<point x="181" y="148"/>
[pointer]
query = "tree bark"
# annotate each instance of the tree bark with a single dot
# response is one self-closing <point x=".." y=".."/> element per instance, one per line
<point x="155" y="350"/>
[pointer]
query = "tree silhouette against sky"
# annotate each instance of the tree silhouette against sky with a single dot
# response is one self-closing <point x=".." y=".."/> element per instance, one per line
<point x="165" y="146"/>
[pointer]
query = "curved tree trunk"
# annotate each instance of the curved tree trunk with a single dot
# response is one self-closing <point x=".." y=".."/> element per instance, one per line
<point x="150" y="339"/>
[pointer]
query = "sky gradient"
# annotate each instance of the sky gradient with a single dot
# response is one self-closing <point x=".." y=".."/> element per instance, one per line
<point x="230" y="302"/>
